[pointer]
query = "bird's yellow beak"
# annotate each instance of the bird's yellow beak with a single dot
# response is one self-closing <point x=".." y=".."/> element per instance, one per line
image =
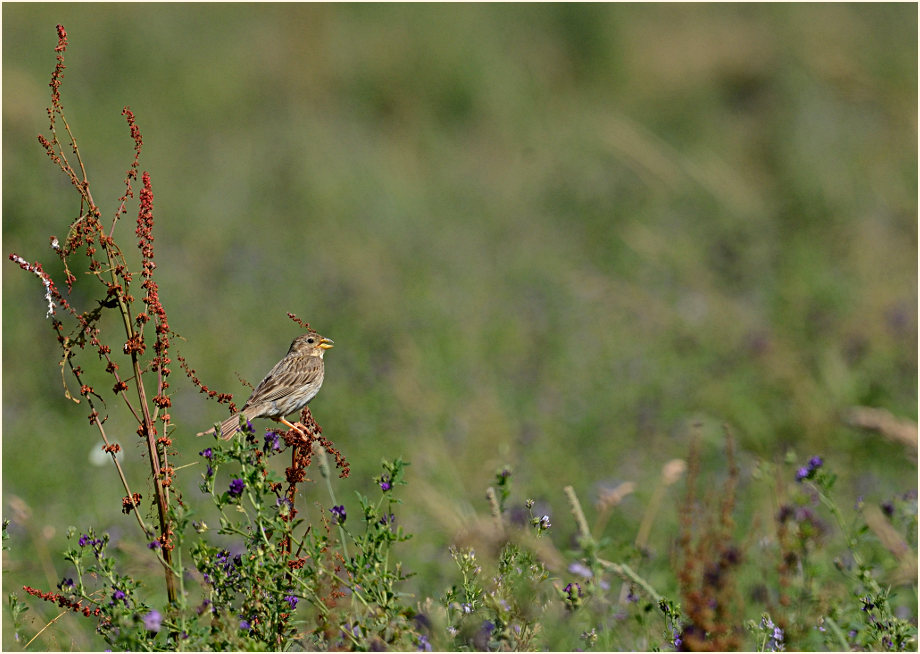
<point x="326" y="343"/>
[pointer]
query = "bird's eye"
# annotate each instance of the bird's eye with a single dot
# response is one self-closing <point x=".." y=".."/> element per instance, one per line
<point x="309" y="340"/>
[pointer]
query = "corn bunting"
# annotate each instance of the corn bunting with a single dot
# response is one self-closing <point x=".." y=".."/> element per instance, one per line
<point x="288" y="387"/>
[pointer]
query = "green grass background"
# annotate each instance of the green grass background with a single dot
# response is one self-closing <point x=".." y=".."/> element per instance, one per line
<point x="549" y="236"/>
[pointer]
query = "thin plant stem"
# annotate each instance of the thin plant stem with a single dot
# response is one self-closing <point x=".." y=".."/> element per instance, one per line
<point x="323" y="461"/>
<point x="579" y="515"/>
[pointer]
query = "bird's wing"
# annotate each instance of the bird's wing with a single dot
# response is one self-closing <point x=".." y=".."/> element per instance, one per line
<point x="285" y="378"/>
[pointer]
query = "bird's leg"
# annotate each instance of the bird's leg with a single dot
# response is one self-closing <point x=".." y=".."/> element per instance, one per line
<point x="307" y="416"/>
<point x="302" y="429"/>
<point x="296" y="428"/>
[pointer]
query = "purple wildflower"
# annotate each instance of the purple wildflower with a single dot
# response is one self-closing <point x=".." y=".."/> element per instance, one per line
<point x="338" y="514"/>
<point x="386" y="483"/>
<point x="573" y="590"/>
<point x="206" y="453"/>
<point x="775" y="635"/>
<point x="271" y="442"/>
<point x="292" y="600"/>
<point x="228" y="565"/>
<point x="808" y="471"/>
<point x="236" y="487"/>
<point x="580" y="569"/>
<point x="153" y="621"/>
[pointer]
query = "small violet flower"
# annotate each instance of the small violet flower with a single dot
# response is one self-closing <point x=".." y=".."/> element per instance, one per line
<point x="808" y="471"/>
<point x="236" y="487"/>
<point x="292" y="600"/>
<point x="338" y="514"/>
<point x="580" y="569"/>
<point x="153" y="621"/>
<point x="386" y="483"/>
<point x="775" y="637"/>
<point x="423" y="644"/>
<point x="573" y="590"/>
<point x="272" y="443"/>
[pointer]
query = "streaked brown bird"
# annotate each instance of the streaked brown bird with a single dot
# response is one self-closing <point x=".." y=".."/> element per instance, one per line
<point x="288" y="387"/>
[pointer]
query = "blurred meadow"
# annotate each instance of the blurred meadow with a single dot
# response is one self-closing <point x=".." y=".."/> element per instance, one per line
<point x="550" y="237"/>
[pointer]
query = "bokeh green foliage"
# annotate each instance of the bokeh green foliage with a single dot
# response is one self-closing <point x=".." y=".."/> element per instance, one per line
<point x="549" y="236"/>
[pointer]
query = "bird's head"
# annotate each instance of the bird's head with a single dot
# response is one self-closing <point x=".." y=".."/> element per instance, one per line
<point x="311" y="344"/>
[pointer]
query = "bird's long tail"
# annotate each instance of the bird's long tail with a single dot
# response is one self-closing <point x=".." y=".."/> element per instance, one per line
<point x="230" y="426"/>
<point x="227" y="428"/>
